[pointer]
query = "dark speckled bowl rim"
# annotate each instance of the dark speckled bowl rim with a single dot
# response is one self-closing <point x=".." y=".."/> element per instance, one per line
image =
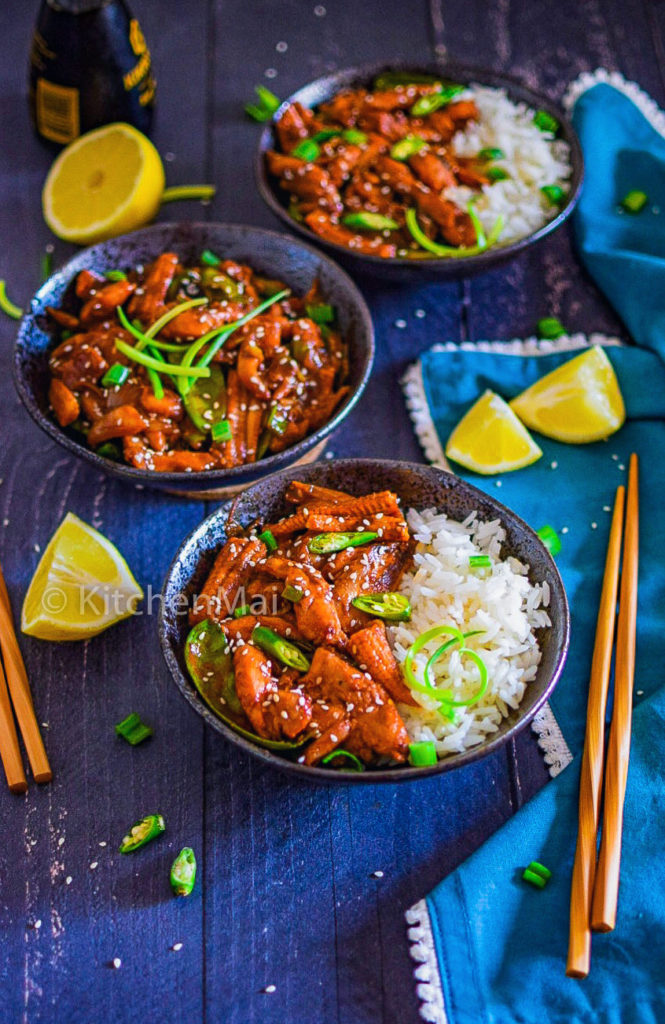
<point x="442" y="266"/>
<point x="219" y="477"/>
<point x="388" y="775"/>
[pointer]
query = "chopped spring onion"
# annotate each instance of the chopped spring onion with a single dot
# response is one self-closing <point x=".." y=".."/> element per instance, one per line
<point x="634" y="201"/>
<point x="448" y="250"/>
<point x="550" y="327"/>
<point x="354" y="136"/>
<point x="6" y="304"/>
<point x="434" y="100"/>
<point x="115" y="376"/>
<point x="183" y="872"/>
<point x="540" y="869"/>
<point x="268" y="538"/>
<point x="155" y="364"/>
<point x="108" y="450"/>
<point x="229" y="328"/>
<point x="221" y="431"/>
<point x="554" y="194"/>
<point x="148" y="336"/>
<point x="544" y="120"/>
<point x="537" y="874"/>
<point x="422" y="754"/>
<point x="481" y="238"/>
<point x="243" y="610"/>
<point x="267" y="105"/>
<point x="491" y="153"/>
<point x="394" y="607"/>
<point x="115" y="275"/>
<point x="407" y="147"/>
<point x="307" y="150"/>
<point x="496" y="174"/>
<point x="480" y="562"/>
<point x="276" y="422"/>
<point x="209" y="258"/>
<point x="177" y="192"/>
<point x="47" y="262"/>
<point x="357" y="764"/>
<point x="291" y="593"/>
<point x="328" y="543"/>
<point x="142" y="832"/>
<point x="365" y="221"/>
<point x="322" y="313"/>
<point x="133" y="729"/>
<point x="283" y="650"/>
<point x="550" y="539"/>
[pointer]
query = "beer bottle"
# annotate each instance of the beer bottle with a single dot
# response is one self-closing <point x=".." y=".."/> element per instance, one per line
<point x="89" y="65"/>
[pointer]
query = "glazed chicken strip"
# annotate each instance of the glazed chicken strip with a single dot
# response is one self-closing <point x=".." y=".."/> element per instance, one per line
<point x="315" y="612"/>
<point x="230" y="570"/>
<point x="275" y="713"/>
<point x="368" y="723"/>
<point x="371" y="651"/>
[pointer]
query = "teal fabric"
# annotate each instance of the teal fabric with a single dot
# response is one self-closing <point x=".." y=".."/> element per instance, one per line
<point x="624" y="253"/>
<point x="501" y="944"/>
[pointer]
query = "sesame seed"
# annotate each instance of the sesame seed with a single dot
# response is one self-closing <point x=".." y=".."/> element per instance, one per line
<point x="94" y="865"/>
<point x="176" y="947"/>
<point x="594" y="526"/>
<point x="377" y="874"/>
<point x="564" y="529"/>
<point x="116" y="962"/>
<point x="420" y="313"/>
<point x="401" y="324"/>
<point x="270" y="988"/>
<point x="640" y="693"/>
<point x="68" y="880"/>
<point x="554" y="464"/>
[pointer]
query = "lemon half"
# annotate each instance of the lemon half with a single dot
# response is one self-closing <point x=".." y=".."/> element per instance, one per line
<point x="81" y="586"/>
<point x="490" y="439"/>
<point x="105" y="183"/>
<point x="578" y="402"/>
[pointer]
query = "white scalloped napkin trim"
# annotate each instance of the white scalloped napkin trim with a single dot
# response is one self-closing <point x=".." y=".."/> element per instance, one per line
<point x="556" y="752"/>
<point x="601" y="76"/>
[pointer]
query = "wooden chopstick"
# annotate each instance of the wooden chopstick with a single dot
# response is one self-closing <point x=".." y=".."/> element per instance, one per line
<point x="19" y="688"/>
<point x="606" y="889"/>
<point x="9" y="749"/>
<point x="579" y="941"/>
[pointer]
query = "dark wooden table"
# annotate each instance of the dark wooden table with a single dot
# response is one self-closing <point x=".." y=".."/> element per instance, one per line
<point x="287" y="895"/>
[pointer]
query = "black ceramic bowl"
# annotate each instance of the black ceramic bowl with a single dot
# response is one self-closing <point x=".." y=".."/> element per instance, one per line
<point x="419" y="487"/>
<point x="403" y="269"/>
<point x="272" y="254"/>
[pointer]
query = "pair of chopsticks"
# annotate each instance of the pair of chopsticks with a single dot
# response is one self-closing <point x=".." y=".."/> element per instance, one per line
<point x="595" y="886"/>
<point x="14" y="683"/>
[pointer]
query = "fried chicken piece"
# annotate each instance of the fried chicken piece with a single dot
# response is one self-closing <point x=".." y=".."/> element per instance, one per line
<point x="373" y="569"/>
<point x="372" y="652"/>
<point x="455" y="224"/>
<point x="122" y="421"/>
<point x="325" y="227"/>
<point x="350" y="707"/>
<point x="297" y="493"/>
<point x="275" y="711"/>
<point x="76" y="362"/>
<point x="293" y="126"/>
<point x="432" y="171"/>
<point x="316" y="613"/>
<point x="102" y="304"/>
<point x="63" y="402"/>
<point x="231" y="569"/>
<point x="148" y="305"/>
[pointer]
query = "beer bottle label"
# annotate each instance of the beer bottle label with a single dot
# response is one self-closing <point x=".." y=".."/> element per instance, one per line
<point x="57" y="111"/>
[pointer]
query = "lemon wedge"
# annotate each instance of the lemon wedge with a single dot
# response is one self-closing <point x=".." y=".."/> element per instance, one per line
<point x="81" y="586"/>
<point x="105" y="183"/>
<point x="578" y="402"/>
<point x="490" y="439"/>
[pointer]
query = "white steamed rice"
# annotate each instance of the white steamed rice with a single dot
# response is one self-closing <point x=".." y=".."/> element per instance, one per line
<point x="533" y="158"/>
<point x="502" y="602"/>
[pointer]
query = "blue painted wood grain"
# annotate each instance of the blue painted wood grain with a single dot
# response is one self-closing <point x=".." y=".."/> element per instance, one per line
<point x="287" y="892"/>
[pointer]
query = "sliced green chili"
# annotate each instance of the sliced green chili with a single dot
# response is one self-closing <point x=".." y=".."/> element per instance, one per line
<point x="407" y="147"/>
<point x="357" y="764"/>
<point x="366" y="221"/>
<point x="481" y="238"/>
<point x="327" y="543"/>
<point x="133" y="729"/>
<point x="433" y="101"/>
<point x="446" y="250"/>
<point x="183" y="872"/>
<point x="279" y="648"/>
<point x="115" y="376"/>
<point x="6" y="304"/>
<point x="115" y="275"/>
<point x="422" y="754"/>
<point x="391" y="606"/>
<point x="142" y="832"/>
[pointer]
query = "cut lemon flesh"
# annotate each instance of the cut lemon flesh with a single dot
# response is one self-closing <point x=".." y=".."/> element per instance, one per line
<point x="105" y="183"/>
<point x="81" y="586"/>
<point x="578" y="402"/>
<point x="490" y="439"/>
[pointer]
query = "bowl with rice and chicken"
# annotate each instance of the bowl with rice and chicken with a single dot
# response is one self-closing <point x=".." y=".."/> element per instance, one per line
<point x="364" y="621"/>
<point x="438" y="171"/>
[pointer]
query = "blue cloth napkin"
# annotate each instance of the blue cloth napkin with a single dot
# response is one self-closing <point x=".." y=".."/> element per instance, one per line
<point x="492" y="949"/>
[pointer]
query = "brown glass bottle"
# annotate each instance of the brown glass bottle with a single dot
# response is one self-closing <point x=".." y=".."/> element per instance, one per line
<point x="89" y="65"/>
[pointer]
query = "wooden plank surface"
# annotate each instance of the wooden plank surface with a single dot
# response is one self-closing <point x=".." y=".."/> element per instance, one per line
<point x="288" y="892"/>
